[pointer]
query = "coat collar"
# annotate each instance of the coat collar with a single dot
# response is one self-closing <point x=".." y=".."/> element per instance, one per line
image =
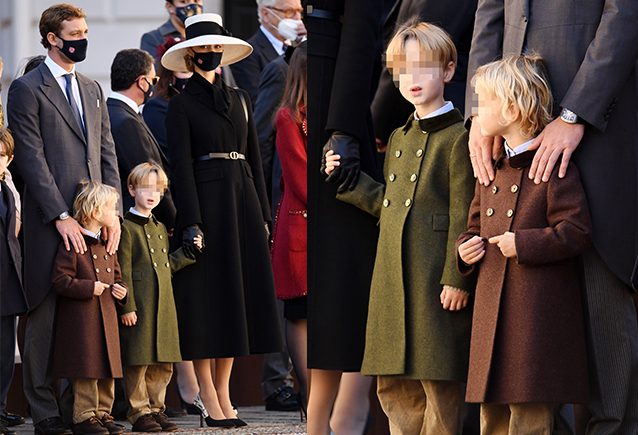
<point x="436" y="123"/>
<point x="519" y="161"/>
<point x="140" y="220"/>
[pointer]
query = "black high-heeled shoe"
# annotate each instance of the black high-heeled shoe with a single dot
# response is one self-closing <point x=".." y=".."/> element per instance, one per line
<point x="190" y="408"/>
<point x="303" y="408"/>
<point x="223" y="423"/>
<point x="239" y="422"/>
<point x="210" y="421"/>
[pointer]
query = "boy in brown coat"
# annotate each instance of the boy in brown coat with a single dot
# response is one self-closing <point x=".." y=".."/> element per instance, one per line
<point x="527" y="352"/>
<point x="86" y="344"/>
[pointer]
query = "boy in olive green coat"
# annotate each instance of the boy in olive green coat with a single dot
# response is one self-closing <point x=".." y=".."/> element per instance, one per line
<point x="150" y="340"/>
<point x="418" y="329"/>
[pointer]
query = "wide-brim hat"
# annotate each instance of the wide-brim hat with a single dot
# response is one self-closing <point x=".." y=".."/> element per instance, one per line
<point x="206" y="29"/>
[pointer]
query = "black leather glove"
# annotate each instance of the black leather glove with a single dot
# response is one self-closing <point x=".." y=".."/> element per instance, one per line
<point x="346" y="175"/>
<point x="188" y="234"/>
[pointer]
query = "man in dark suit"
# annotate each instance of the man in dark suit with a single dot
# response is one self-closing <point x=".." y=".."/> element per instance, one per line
<point x="269" y="42"/>
<point x="132" y="78"/>
<point x="457" y="18"/>
<point x="62" y="133"/>
<point x="590" y="52"/>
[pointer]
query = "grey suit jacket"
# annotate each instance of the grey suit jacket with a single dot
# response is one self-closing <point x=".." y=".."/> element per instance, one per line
<point x="53" y="156"/>
<point x="590" y="48"/>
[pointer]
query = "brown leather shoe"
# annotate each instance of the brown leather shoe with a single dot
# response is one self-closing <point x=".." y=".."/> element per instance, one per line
<point x="90" y="426"/>
<point x="146" y="423"/>
<point x="109" y="423"/>
<point x="162" y="420"/>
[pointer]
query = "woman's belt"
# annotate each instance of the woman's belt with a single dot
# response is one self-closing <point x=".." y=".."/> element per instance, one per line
<point x="233" y="155"/>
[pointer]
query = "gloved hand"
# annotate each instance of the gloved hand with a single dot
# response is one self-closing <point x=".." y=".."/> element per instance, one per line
<point x="346" y="175"/>
<point x="188" y="240"/>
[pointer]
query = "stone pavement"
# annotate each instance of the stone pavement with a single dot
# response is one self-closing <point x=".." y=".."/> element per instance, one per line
<point x="259" y="422"/>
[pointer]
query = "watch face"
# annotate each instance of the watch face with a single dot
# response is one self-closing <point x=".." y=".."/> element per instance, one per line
<point x="568" y="116"/>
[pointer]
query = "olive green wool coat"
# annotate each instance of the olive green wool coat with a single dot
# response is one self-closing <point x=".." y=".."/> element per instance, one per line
<point x="147" y="266"/>
<point x="422" y="209"/>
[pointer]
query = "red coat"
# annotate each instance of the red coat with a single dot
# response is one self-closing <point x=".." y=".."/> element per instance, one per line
<point x="289" y="251"/>
<point x="87" y="342"/>
<point x="528" y="333"/>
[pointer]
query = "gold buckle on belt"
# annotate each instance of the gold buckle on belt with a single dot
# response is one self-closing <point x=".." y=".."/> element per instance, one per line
<point x="233" y="155"/>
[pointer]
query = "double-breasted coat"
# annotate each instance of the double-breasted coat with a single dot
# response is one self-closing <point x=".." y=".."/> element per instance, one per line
<point x="528" y="334"/>
<point x="290" y="236"/>
<point x="226" y="302"/>
<point x="421" y="211"/>
<point x="147" y="267"/>
<point x="86" y="342"/>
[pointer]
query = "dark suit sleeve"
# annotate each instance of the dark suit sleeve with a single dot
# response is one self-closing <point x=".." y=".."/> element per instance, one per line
<point x="110" y="172"/>
<point x="24" y="121"/>
<point x="246" y="75"/>
<point x="358" y="51"/>
<point x="254" y="160"/>
<point x="179" y="144"/>
<point x="610" y="58"/>
<point x="271" y="89"/>
<point x="487" y="44"/>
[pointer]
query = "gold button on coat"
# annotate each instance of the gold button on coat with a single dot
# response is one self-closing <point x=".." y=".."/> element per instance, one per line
<point x="97" y="270"/>
<point x="413" y="178"/>
<point x="419" y="152"/>
<point x="108" y="270"/>
<point x="161" y="237"/>
<point x="94" y="256"/>
<point x="152" y="251"/>
<point x="392" y="177"/>
<point x="514" y="188"/>
<point x="386" y="202"/>
<point x="154" y="264"/>
<point x="408" y="202"/>
<point x="148" y="236"/>
<point x="494" y="189"/>
<point x="164" y="250"/>
<point x="510" y="213"/>
<point x="106" y="257"/>
<point x="489" y="211"/>
<point x="167" y="265"/>
<point x="397" y="153"/>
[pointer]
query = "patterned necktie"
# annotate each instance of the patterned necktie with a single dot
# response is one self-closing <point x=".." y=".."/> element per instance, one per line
<point x="74" y="105"/>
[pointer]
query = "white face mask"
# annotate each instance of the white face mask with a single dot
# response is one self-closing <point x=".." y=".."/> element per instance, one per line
<point x="287" y="28"/>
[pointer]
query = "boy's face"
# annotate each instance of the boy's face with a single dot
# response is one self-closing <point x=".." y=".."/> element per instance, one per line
<point x="4" y="160"/>
<point x="490" y="113"/>
<point x="421" y="77"/>
<point x="107" y="216"/>
<point x="147" y="194"/>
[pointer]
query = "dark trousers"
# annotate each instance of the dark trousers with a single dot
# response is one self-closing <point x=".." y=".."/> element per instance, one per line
<point x="7" y="356"/>
<point x="38" y="343"/>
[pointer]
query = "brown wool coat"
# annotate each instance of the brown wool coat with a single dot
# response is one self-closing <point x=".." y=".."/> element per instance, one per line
<point x="528" y="340"/>
<point x="86" y="343"/>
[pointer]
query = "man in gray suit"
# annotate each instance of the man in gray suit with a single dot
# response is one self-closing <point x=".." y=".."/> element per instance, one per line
<point x="590" y="49"/>
<point x="62" y="134"/>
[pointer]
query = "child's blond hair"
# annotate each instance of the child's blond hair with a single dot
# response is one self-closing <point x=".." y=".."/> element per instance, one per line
<point x="431" y="38"/>
<point x="519" y="82"/>
<point x="142" y="171"/>
<point x="7" y="145"/>
<point x="90" y="198"/>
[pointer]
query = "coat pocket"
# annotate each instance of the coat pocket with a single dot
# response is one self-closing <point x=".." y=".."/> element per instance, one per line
<point x="440" y="222"/>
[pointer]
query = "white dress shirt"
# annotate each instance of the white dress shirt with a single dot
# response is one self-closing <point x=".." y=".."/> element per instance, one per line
<point x="129" y="102"/>
<point x="58" y="73"/>
<point x="445" y="108"/>
<point x="511" y="152"/>
<point x="276" y="43"/>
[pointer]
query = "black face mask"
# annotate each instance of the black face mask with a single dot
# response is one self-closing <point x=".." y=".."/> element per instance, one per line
<point x="179" y="84"/>
<point x="188" y="11"/>
<point x="75" y="50"/>
<point x="207" y="61"/>
<point x="149" y="92"/>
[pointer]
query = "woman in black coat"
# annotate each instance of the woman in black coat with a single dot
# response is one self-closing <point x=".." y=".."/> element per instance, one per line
<point x="225" y="302"/>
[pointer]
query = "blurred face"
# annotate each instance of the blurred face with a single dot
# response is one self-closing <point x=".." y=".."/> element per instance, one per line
<point x="147" y="195"/>
<point x="4" y="160"/>
<point x="421" y="78"/>
<point x="490" y="114"/>
<point x="107" y="215"/>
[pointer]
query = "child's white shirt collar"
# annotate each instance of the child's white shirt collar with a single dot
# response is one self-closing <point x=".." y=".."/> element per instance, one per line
<point x="519" y="149"/>
<point x="137" y="213"/>
<point x="91" y="233"/>
<point x="445" y="108"/>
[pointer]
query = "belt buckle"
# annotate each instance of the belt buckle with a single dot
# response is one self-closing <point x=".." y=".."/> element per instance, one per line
<point x="234" y="155"/>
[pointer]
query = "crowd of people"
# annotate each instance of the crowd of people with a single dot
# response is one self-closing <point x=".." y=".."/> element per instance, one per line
<point x="442" y="194"/>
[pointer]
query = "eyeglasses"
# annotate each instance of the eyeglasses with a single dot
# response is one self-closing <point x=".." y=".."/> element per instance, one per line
<point x="289" y="12"/>
<point x="153" y="80"/>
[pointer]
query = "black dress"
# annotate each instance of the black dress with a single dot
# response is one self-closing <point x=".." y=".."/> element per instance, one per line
<point x="342" y="239"/>
<point x="226" y="301"/>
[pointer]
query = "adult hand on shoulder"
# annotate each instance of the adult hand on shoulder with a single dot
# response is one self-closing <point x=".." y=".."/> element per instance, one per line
<point x="71" y="233"/>
<point x="483" y="150"/>
<point x="454" y="299"/>
<point x="346" y="175"/>
<point x="558" y="138"/>
<point x="129" y="319"/>
<point x="506" y="243"/>
<point x="112" y="236"/>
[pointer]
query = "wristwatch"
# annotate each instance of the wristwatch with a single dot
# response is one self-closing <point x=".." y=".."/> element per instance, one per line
<point x="64" y="216"/>
<point x="568" y="116"/>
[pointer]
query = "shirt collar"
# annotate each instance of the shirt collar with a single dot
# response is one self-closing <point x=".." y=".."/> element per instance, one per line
<point x="519" y="149"/>
<point x="56" y="70"/>
<point x="137" y="213"/>
<point x="129" y="102"/>
<point x="447" y="107"/>
<point x="91" y="234"/>
<point x="276" y="43"/>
